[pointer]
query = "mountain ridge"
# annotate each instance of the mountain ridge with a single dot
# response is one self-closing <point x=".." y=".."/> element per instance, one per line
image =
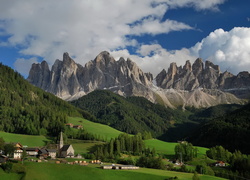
<point x="191" y="85"/>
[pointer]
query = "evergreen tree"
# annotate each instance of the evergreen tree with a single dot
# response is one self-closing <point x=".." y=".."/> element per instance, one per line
<point x="196" y="176"/>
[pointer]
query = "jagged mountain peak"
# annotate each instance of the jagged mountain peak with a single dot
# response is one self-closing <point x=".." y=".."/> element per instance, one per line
<point x="67" y="59"/>
<point x="173" y="87"/>
<point x="104" y="57"/>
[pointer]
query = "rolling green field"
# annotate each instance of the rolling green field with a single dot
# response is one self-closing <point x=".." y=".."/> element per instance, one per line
<point x="95" y="128"/>
<point x="109" y="132"/>
<point x="52" y="171"/>
<point x="28" y="140"/>
<point x="163" y="147"/>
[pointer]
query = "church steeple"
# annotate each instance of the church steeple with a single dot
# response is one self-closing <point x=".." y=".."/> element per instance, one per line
<point x="61" y="141"/>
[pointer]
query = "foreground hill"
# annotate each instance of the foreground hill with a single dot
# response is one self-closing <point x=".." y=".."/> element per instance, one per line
<point x="232" y="131"/>
<point x="75" y="172"/>
<point x="27" y="109"/>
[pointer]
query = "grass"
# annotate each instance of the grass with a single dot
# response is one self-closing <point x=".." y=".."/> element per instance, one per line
<point x="104" y="131"/>
<point x="9" y="176"/>
<point x="51" y="171"/>
<point x="82" y="146"/>
<point x="167" y="148"/>
<point x="28" y="140"/>
<point x="161" y="147"/>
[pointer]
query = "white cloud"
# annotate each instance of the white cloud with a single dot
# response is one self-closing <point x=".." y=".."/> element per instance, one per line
<point x="84" y="28"/>
<point x="23" y="65"/>
<point x="229" y="49"/>
<point x="197" y="4"/>
<point x="154" y="26"/>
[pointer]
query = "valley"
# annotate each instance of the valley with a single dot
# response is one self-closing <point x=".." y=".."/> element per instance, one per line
<point x="114" y="129"/>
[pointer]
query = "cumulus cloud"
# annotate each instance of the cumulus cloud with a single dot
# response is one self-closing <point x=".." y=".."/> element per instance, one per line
<point x="84" y="28"/>
<point x="229" y="49"/>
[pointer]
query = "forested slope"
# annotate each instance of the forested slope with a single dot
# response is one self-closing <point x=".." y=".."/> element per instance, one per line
<point x="130" y="115"/>
<point x="27" y="109"/>
<point x="231" y="130"/>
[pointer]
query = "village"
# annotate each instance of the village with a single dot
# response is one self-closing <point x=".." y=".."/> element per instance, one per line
<point x="62" y="154"/>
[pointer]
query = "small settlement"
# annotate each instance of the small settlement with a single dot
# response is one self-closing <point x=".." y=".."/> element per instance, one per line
<point x="63" y="151"/>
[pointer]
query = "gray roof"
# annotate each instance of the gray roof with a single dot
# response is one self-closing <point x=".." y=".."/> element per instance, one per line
<point x="51" y="150"/>
<point x="65" y="147"/>
<point x="42" y="151"/>
<point x="31" y="149"/>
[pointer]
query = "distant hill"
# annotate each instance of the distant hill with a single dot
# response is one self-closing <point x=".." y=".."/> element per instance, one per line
<point x="26" y="109"/>
<point x="231" y="130"/>
<point x="130" y="115"/>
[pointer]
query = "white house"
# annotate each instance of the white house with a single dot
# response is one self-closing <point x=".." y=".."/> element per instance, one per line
<point x="18" y="151"/>
<point x="51" y="153"/>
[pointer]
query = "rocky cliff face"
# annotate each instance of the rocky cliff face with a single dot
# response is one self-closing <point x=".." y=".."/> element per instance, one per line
<point x="191" y="85"/>
<point x="206" y="77"/>
<point x="69" y="80"/>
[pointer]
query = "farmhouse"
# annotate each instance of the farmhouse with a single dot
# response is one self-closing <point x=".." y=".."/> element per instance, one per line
<point x="220" y="164"/>
<point x="77" y="126"/>
<point x="43" y="154"/>
<point x="18" y="151"/>
<point x="51" y="153"/>
<point x="70" y="125"/>
<point x="32" y="151"/>
<point x="65" y="151"/>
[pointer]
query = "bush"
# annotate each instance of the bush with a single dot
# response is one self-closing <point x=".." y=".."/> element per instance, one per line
<point x="7" y="167"/>
<point x="18" y="168"/>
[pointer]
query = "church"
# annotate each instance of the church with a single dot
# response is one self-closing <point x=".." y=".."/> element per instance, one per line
<point x="65" y="151"/>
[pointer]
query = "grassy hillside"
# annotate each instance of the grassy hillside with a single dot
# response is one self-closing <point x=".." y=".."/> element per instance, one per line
<point x="28" y="140"/>
<point x="95" y="128"/>
<point x="51" y="171"/>
<point x="168" y="148"/>
<point x="123" y="114"/>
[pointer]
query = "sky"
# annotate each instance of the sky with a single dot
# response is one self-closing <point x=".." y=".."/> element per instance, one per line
<point x="153" y="33"/>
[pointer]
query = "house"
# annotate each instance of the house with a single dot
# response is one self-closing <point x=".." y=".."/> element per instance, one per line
<point x="43" y="153"/>
<point x="18" y="151"/>
<point x="65" y="151"/>
<point x="32" y="151"/>
<point x="69" y="125"/>
<point x="3" y="159"/>
<point x="51" y="153"/>
<point x="77" y="126"/>
<point x="220" y="164"/>
<point x="79" y="156"/>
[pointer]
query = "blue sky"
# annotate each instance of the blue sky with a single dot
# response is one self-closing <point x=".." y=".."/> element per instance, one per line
<point x="153" y="33"/>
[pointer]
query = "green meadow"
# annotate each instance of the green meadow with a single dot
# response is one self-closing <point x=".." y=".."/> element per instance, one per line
<point x="82" y="146"/>
<point x="28" y="140"/>
<point x="52" y="171"/>
<point x="167" y="148"/>
<point x="104" y="131"/>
